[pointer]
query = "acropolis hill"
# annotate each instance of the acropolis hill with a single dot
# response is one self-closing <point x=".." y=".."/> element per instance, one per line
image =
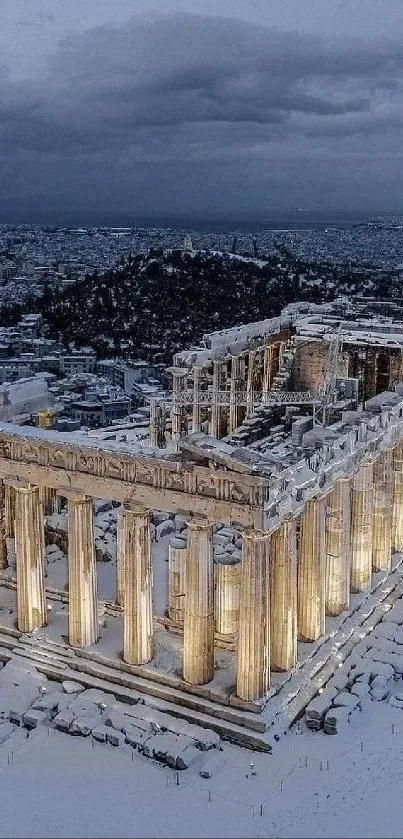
<point x="279" y="458"/>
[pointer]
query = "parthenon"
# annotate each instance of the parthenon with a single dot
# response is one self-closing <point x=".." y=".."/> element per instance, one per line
<point x="302" y="457"/>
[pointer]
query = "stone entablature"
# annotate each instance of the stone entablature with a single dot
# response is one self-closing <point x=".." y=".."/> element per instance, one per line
<point x="46" y="459"/>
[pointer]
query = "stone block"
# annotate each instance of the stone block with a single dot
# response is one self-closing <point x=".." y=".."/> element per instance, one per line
<point x="72" y="687"/>
<point x="379" y="688"/>
<point x="64" y="719"/>
<point x="159" y="516"/>
<point x="31" y="718"/>
<point x="115" y="738"/>
<point x="164" y="529"/>
<point x="100" y="733"/>
<point x="180" y="522"/>
<point x="47" y="702"/>
<point x="116" y="719"/>
<point x="336" y="720"/>
<point x="84" y="725"/>
<point x="188" y="757"/>
<point x="16" y="714"/>
<point x="136" y="736"/>
<point x="98" y="697"/>
<point x="348" y="700"/>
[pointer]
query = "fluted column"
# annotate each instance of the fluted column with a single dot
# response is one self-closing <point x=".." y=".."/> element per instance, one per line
<point x="397" y="514"/>
<point x="157" y="424"/>
<point x="9" y="510"/>
<point x="120" y="573"/>
<point x="227" y="577"/>
<point x="362" y="528"/>
<point x="198" y="631"/>
<point x="233" y="396"/>
<point x="138" y="610"/>
<point x="177" y="553"/>
<point x="178" y="408"/>
<point x="338" y="564"/>
<point x="29" y="549"/>
<point x="267" y="369"/>
<point x="311" y="571"/>
<point x="249" y="383"/>
<point x="3" y="534"/>
<point x="83" y="605"/>
<point x="253" y="662"/>
<point x="283" y="596"/>
<point x="215" y="405"/>
<point x="382" y="513"/>
<point x="196" y="412"/>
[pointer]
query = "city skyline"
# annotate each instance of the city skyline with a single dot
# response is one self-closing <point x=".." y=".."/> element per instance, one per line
<point x="176" y="112"/>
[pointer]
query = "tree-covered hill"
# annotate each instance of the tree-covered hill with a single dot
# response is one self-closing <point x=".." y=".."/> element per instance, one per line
<point x="161" y="302"/>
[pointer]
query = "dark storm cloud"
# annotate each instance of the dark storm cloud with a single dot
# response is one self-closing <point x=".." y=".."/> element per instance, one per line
<point x="186" y="87"/>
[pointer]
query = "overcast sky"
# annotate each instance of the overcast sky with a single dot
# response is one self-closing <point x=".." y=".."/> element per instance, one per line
<point x="142" y="108"/>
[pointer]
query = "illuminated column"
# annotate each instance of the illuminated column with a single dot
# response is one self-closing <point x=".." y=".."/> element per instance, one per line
<point x="31" y="603"/>
<point x="177" y="553"/>
<point x="157" y="424"/>
<point x="178" y="407"/>
<point x="362" y="528"/>
<point x="227" y="576"/>
<point x="196" y="412"/>
<point x="233" y="406"/>
<point x="198" y="631"/>
<point x="83" y="605"/>
<point x="120" y="572"/>
<point x="382" y="512"/>
<point x="3" y="527"/>
<point x="253" y="664"/>
<point x="215" y="406"/>
<point x="137" y="613"/>
<point x="397" y="516"/>
<point x="338" y="515"/>
<point x="283" y="596"/>
<point x="312" y="571"/>
<point x="249" y="384"/>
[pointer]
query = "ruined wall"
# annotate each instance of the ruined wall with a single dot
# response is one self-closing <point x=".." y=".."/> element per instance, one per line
<point x="309" y="365"/>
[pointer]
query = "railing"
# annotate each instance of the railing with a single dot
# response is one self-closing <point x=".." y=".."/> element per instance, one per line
<point x="244" y="398"/>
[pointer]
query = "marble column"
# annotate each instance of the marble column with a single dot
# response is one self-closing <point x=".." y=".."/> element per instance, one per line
<point x="9" y="510"/>
<point x="83" y="602"/>
<point x="215" y="405"/>
<point x="157" y="424"/>
<point x="196" y="410"/>
<point x="3" y="534"/>
<point x="233" y="406"/>
<point x="362" y="527"/>
<point x="250" y="383"/>
<point x="253" y="660"/>
<point x="198" y="631"/>
<point x="120" y="572"/>
<point x="29" y="549"/>
<point x="227" y="577"/>
<point x="312" y="571"/>
<point x="177" y="553"/>
<point x="267" y="370"/>
<point x="397" y="514"/>
<point x="138" y="638"/>
<point x="382" y="512"/>
<point x="338" y="565"/>
<point x="283" y="596"/>
<point x="178" y="408"/>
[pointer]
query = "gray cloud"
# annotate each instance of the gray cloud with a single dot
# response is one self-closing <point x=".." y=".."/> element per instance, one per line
<point x="190" y="91"/>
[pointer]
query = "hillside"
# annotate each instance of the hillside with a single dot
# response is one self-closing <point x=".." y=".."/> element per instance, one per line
<point x="161" y="302"/>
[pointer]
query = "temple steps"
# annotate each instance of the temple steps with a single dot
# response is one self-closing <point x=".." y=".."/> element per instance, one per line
<point x="59" y="663"/>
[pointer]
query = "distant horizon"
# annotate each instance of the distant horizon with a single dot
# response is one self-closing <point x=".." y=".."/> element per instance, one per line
<point x="291" y="218"/>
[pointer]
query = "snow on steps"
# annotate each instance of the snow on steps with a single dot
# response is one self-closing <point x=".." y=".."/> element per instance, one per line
<point x="60" y="663"/>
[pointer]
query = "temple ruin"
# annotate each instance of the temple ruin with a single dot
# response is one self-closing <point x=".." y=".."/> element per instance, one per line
<point x="290" y="431"/>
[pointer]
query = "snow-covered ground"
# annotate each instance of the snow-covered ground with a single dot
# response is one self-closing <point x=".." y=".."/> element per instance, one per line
<point x="54" y="784"/>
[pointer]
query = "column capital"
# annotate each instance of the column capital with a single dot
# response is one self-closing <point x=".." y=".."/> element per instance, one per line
<point x="135" y="509"/>
<point x="199" y="524"/>
<point x="73" y="496"/>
